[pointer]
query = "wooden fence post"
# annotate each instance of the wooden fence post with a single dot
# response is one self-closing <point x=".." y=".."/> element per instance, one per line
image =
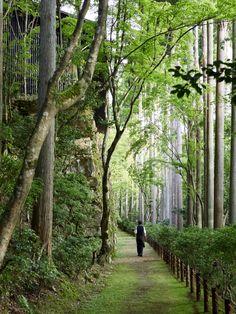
<point x="191" y="280"/>
<point x="198" y="287"/>
<point x="205" y="294"/>
<point x="174" y="264"/>
<point x="186" y="276"/>
<point x="181" y="271"/>
<point x="177" y="262"/>
<point x="214" y="301"/>
<point x="227" y="306"/>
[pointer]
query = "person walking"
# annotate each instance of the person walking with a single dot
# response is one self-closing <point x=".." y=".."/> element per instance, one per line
<point x="140" y="233"/>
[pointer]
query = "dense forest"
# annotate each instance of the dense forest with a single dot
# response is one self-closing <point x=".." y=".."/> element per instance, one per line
<point x="110" y="112"/>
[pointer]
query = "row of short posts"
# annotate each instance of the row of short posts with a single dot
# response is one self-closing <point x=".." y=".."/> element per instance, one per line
<point x="187" y="274"/>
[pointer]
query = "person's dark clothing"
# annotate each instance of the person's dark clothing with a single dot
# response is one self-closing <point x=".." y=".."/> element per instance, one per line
<point x="140" y="240"/>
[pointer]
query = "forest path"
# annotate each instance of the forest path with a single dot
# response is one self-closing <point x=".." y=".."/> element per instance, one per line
<point x="140" y="285"/>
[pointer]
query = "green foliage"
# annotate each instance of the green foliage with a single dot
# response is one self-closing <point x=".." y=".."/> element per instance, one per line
<point x="26" y="266"/>
<point x="210" y="252"/>
<point x="75" y="224"/>
<point x="219" y="70"/>
<point x="25" y="304"/>
<point x="73" y="202"/>
<point x="74" y="253"/>
<point x="127" y="225"/>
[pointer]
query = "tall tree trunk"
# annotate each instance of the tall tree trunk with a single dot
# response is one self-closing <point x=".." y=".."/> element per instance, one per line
<point x="1" y="72"/>
<point x="210" y="133"/>
<point x="43" y="211"/>
<point x="126" y="204"/>
<point x="204" y="64"/>
<point x="232" y="209"/>
<point x="198" y="139"/>
<point x="190" y="152"/>
<point x="76" y="93"/>
<point x="153" y="188"/>
<point x="219" y="135"/>
<point x="179" y="189"/>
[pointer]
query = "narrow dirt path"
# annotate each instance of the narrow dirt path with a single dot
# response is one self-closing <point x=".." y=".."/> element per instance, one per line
<point x="140" y="285"/>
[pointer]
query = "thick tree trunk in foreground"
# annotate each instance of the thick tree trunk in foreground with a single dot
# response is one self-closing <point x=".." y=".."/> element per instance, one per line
<point x="219" y="135"/>
<point x="43" y="210"/>
<point x="232" y="209"/>
<point x="49" y="110"/>
<point x="210" y="134"/>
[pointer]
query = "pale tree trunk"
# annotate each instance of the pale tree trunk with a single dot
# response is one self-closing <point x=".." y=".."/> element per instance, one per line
<point x="43" y="211"/>
<point x="141" y="161"/>
<point x="49" y="110"/>
<point x="232" y="209"/>
<point x="137" y="203"/>
<point x="166" y="209"/>
<point x="1" y="71"/>
<point x="153" y="188"/>
<point x="126" y="204"/>
<point x="179" y="189"/>
<point x="132" y="202"/>
<point x="204" y="98"/>
<point x="174" y="193"/>
<point x="190" y="152"/>
<point x="198" y="139"/>
<point x="219" y="134"/>
<point x="210" y="133"/>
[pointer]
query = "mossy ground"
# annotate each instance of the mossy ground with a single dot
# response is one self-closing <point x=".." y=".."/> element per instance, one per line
<point x="131" y="285"/>
<point x="141" y="285"/>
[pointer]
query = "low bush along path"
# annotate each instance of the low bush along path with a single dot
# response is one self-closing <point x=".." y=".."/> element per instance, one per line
<point x="140" y="285"/>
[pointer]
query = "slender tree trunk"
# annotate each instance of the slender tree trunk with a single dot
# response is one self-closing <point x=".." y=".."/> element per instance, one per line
<point x="219" y="135"/>
<point x="232" y="209"/>
<point x="179" y="192"/>
<point x="1" y="72"/>
<point x="141" y="161"/>
<point x="153" y="188"/>
<point x="189" y="216"/>
<point x="104" y="254"/>
<point x="198" y="139"/>
<point x="43" y="211"/>
<point x="204" y="64"/>
<point x="210" y="133"/>
<point x="16" y="203"/>
<point x="126" y="204"/>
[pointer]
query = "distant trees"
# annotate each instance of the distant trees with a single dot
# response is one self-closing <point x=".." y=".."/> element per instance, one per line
<point x="201" y="161"/>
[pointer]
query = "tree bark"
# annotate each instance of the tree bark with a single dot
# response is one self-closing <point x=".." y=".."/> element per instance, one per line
<point x="219" y="135"/>
<point x="48" y="112"/>
<point x="43" y="210"/>
<point x="190" y="152"/>
<point x="204" y="64"/>
<point x="1" y="72"/>
<point x="210" y="133"/>
<point x="179" y="185"/>
<point x="232" y="209"/>
<point x="198" y="139"/>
